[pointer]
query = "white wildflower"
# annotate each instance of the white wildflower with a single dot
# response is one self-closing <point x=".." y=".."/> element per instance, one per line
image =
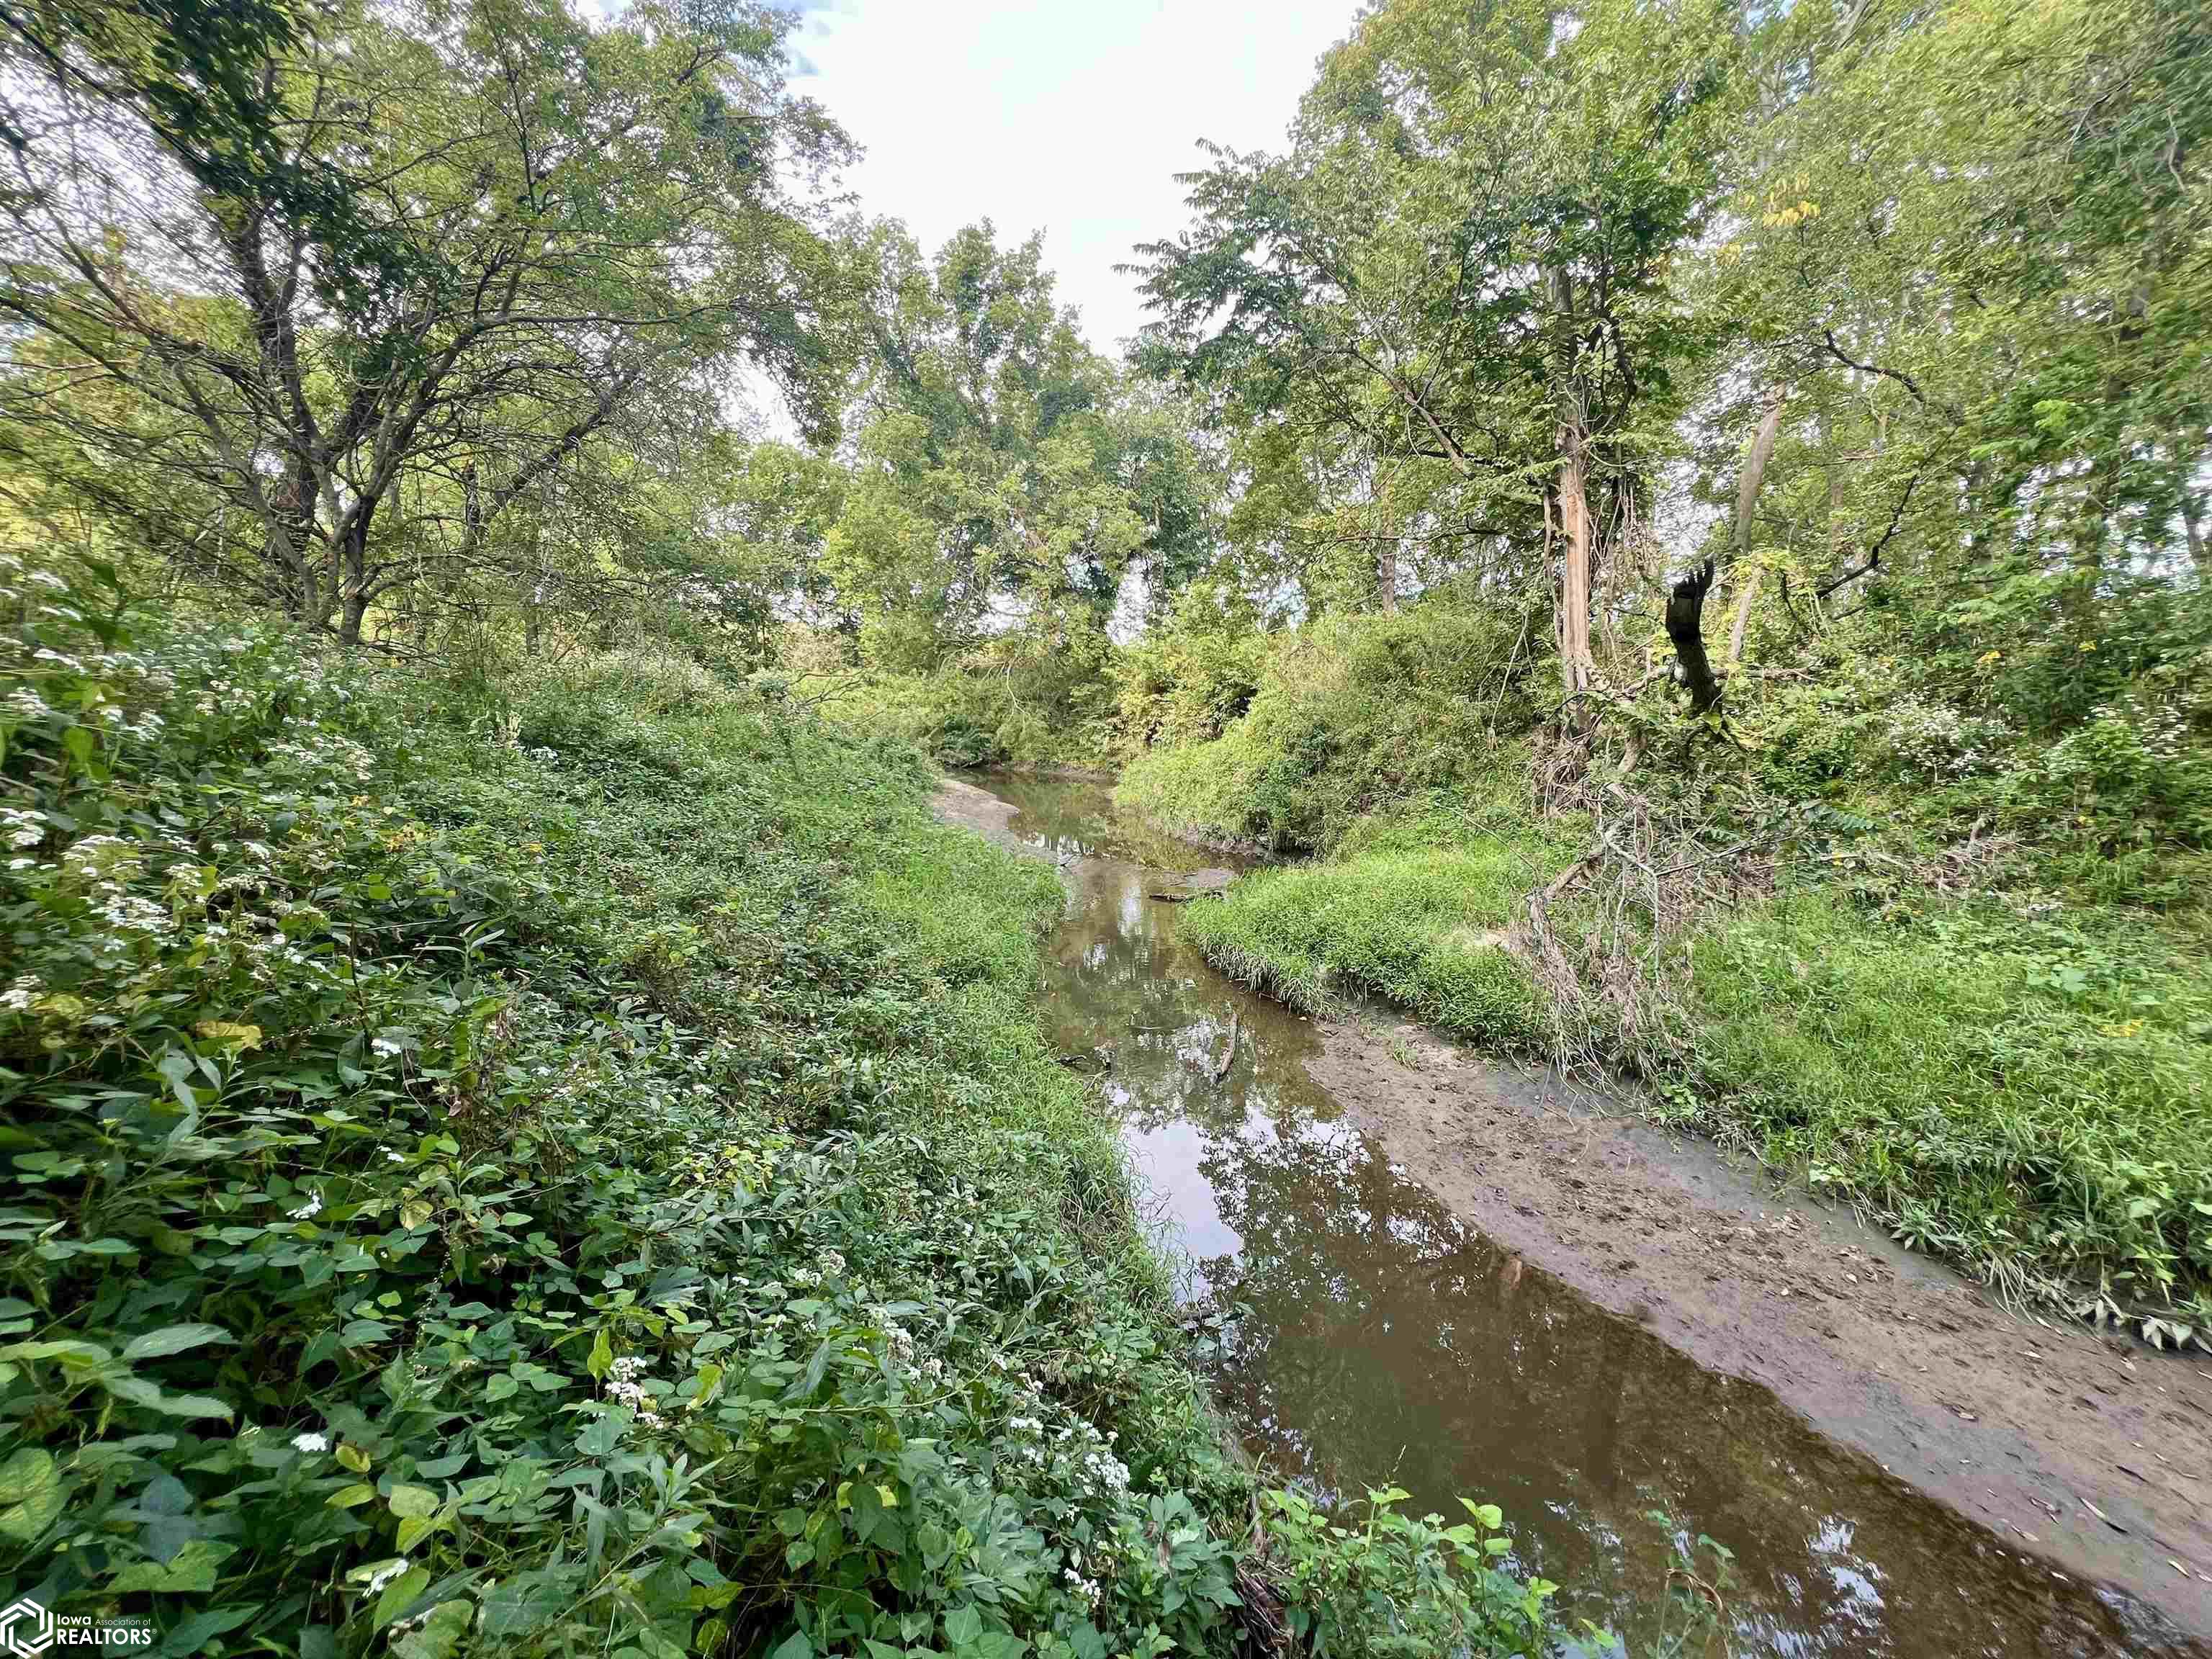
<point x="384" y="1574"/>
<point x="311" y="1443"/>
<point x="309" y="1211"/>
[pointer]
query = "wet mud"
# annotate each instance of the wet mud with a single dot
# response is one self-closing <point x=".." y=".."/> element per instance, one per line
<point x="1425" y="1268"/>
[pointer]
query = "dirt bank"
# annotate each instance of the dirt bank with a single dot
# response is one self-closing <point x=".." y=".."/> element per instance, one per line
<point x="2087" y="1450"/>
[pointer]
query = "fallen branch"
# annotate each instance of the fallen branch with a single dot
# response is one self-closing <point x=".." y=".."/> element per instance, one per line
<point x="1229" y="1057"/>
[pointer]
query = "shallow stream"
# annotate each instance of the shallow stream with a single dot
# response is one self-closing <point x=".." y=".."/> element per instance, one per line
<point x="1377" y="1339"/>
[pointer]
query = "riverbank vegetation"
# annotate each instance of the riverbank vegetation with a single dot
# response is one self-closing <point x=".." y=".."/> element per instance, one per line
<point x="522" y="1135"/>
<point x="577" y="1167"/>
<point x="521" y="1132"/>
<point x="1820" y="571"/>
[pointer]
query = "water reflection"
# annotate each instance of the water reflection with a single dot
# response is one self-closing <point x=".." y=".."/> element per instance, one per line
<point x="1377" y="1339"/>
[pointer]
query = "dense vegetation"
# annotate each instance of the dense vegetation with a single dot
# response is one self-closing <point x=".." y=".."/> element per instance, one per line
<point x="521" y="1130"/>
<point x="581" y="1171"/>
<point x="1863" y="329"/>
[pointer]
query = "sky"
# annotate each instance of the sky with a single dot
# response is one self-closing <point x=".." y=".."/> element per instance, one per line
<point x="1071" y="116"/>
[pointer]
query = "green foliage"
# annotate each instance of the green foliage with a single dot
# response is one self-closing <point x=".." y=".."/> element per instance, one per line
<point x="2023" y="1089"/>
<point x="590" y="1176"/>
<point x="353" y="312"/>
<point x="1350" y="713"/>
<point x="1387" y="1587"/>
<point x="1001" y="470"/>
<point x="1188" y="681"/>
<point x="1024" y="700"/>
<point x="1427" y="930"/>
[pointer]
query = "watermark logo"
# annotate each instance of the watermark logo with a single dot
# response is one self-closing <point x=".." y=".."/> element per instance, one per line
<point x="27" y="1630"/>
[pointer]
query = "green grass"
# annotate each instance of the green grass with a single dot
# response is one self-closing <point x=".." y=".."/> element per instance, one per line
<point x="1424" y="930"/>
<point x="580" y="1173"/>
<point x="2030" y="1096"/>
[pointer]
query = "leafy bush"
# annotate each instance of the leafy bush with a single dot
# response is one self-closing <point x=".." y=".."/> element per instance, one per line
<point x="1387" y="1586"/>
<point x="603" y="1189"/>
<point x="1352" y="713"/>
<point x="1017" y="702"/>
<point x="1190" y="681"/>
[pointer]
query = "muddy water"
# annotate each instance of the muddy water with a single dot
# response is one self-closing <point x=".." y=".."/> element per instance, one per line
<point x="1373" y="1339"/>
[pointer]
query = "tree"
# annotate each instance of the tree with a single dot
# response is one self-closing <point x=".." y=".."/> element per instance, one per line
<point x="1453" y="297"/>
<point x="1963" y="236"/>
<point x="314" y="318"/>
<point x="999" y="477"/>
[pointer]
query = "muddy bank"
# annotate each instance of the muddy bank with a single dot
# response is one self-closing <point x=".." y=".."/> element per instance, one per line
<point x="2087" y="1450"/>
<point x="1454" y="1276"/>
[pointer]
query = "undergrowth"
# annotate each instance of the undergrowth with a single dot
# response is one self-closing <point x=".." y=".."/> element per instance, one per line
<point x="1962" y="992"/>
<point x="576" y="1175"/>
<point x="2026" y="1094"/>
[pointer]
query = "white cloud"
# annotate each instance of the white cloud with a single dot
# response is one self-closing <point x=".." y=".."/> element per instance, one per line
<point x="1072" y="117"/>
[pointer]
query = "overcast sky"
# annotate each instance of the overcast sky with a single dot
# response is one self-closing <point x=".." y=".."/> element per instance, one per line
<point x="1071" y="116"/>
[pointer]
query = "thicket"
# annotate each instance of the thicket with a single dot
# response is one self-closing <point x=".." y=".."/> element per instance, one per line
<point x="1285" y="742"/>
<point x="578" y="1168"/>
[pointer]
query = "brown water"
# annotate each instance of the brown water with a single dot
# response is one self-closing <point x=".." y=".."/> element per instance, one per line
<point x="1377" y="1339"/>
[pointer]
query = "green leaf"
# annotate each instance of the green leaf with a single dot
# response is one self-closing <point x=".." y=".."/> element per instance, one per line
<point x="963" y="1625"/>
<point x="399" y="1595"/>
<point x="30" y="1494"/>
<point x="405" y="1500"/>
<point x="438" y="1635"/>
<point x="794" y="1646"/>
<point x="175" y="1339"/>
<point x="191" y="1570"/>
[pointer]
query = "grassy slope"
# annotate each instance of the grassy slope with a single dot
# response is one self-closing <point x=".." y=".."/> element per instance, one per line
<point x="2025" y="1093"/>
<point x="605" y="1189"/>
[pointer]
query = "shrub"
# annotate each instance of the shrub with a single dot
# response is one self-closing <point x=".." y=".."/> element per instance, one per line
<point x="1352" y="713"/>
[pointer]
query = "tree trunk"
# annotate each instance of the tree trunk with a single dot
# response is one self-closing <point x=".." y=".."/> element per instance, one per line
<point x="353" y="589"/>
<point x="1386" y="575"/>
<point x="1685" y="608"/>
<point x="1746" y="504"/>
<point x="2192" y="520"/>
<point x="1575" y="662"/>
<point x="1577" y="669"/>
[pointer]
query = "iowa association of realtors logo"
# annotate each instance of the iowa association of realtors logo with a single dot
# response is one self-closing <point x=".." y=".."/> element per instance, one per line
<point x="27" y="1631"/>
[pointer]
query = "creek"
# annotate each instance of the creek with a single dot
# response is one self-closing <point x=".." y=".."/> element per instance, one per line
<point x="1362" y="1335"/>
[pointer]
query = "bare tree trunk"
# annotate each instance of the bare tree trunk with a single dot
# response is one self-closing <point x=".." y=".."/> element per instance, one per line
<point x="1685" y="608"/>
<point x="1746" y="505"/>
<point x="1574" y="662"/>
<point x="1577" y="668"/>
<point x="2192" y="520"/>
<point x="354" y="583"/>
<point x="1386" y="575"/>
